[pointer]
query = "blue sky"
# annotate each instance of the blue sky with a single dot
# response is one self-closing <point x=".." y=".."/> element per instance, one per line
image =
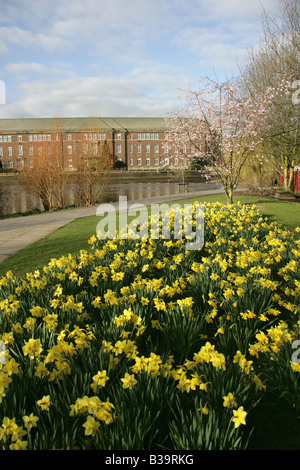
<point x="118" y="57"/>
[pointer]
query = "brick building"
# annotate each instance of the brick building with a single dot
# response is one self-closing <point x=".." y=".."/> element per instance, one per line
<point x="139" y="143"/>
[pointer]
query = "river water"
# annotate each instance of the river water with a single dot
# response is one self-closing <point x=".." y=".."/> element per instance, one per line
<point x="15" y="199"/>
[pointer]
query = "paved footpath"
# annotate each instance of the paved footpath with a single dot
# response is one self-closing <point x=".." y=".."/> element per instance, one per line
<point x="19" y="232"/>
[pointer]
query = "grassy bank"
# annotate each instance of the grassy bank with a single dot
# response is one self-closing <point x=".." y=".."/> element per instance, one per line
<point x="74" y="237"/>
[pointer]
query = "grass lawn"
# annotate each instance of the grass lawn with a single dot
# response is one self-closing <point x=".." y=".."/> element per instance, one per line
<point x="74" y="236"/>
<point x="276" y="424"/>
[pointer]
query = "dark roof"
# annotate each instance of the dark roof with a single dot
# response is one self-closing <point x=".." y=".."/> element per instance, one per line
<point x="34" y="125"/>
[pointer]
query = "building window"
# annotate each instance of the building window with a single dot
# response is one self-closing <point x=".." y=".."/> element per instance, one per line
<point x="139" y="162"/>
<point x="192" y="149"/>
<point x="147" y="148"/>
<point x="30" y="150"/>
<point x="19" y="138"/>
<point x="30" y="138"/>
<point x="49" y="137"/>
<point x="9" y="151"/>
<point x="30" y="164"/>
<point x="95" y="149"/>
<point x="155" y="148"/>
<point x="10" y="164"/>
<point x="70" y="149"/>
<point x="69" y="136"/>
<point x="119" y="148"/>
<point x="131" y="148"/>
<point x="1" y="151"/>
<point x="9" y="138"/>
<point x="147" y="161"/>
<point x="176" y="161"/>
<point x="131" y="162"/>
<point x="156" y="161"/>
<point x="139" y="148"/>
<point x="20" y="150"/>
<point x="70" y="163"/>
<point x="119" y="136"/>
<point x="85" y="137"/>
<point x="35" y="138"/>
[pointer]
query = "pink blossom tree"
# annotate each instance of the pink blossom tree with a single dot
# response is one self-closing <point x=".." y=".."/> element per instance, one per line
<point x="222" y="127"/>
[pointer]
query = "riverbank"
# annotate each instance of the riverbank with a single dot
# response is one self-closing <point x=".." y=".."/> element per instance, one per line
<point x="16" y="199"/>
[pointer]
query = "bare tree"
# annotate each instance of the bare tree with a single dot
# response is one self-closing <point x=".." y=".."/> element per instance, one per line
<point x="282" y="34"/>
<point x="94" y="168"/>
<point x="43" y="173"/>
<point x="276" y="65"/>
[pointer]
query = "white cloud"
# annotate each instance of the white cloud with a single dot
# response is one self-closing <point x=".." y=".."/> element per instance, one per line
<point x="25" y="39"/>
<point x="99" y="57"/>
<point x="23" y="70"/>
<point x="133" y="94"/>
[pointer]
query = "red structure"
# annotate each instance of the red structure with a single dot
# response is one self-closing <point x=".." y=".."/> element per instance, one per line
<point x="296" y="180"/>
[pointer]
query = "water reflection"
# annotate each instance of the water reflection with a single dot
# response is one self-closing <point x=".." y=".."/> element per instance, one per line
<point x="16" y="199"/>
<point x="148" y="190"/>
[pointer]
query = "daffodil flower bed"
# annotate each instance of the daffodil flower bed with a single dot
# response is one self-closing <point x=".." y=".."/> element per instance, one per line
<point x="141" y="344"/>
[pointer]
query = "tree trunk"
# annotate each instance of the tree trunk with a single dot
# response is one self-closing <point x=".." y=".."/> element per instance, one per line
<point x="229" y="194"/>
